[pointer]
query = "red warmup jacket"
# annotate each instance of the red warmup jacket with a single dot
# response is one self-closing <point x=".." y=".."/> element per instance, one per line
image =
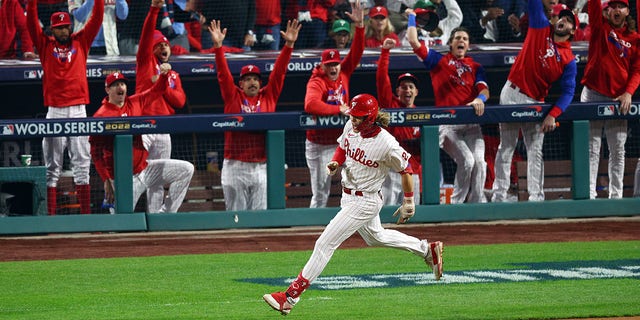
<point x="102" y="146"/>
<point x="319" y="9"/>
<point x="614" y="66"/>
<point x="12" y="22"/>
<point x="147" y="66"/>
<point x="324" y="96"/>
<point x="249" y="146"/>
<point x="372" y="42"/>
<point x="268" y="12"/>
<point x="408" y="137"/>
<point x="64" y="81"/>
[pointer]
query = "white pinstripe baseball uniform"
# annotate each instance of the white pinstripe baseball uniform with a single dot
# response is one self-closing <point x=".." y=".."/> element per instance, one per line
<point x="367" y="164"/>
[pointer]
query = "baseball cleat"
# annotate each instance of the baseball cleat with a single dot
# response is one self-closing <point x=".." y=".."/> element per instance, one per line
<point x="280" y="302"/>
<point x="434" y="258"/>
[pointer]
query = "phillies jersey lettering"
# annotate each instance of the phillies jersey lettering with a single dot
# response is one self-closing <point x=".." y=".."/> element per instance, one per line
<point x="621" y="45"/>
<point x="336" y="96"/>
<point x="359" y="155"/>
<point x="248" y="107"/>
<point x="64" y="55"/>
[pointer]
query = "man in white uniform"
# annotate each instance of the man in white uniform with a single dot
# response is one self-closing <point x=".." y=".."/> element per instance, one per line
<point x="368" y="153"/>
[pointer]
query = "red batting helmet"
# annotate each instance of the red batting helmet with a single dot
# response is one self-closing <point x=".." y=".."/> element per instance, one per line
<point x="364" y="105"/>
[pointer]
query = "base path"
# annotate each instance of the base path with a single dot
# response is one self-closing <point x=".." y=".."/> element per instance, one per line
<point x="76" y="246"/>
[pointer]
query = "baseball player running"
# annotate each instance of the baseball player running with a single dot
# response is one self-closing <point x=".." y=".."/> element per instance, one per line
<point x="153" y="50"/>
<point x="367" y="153"/>
<point x="545" y="58"/>
<point x="458" y="80"/>
<point x="327" y="95"/>
<point x="244" y="169"/>
<point x="408" y="137"/>
<point x="146" y="172"/>
<point x="66" y="93"/>
<point x="612" y="74"/>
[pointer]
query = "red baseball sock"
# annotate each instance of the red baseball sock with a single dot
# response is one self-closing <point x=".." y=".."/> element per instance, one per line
<point x="298" y="286"/>
<point x="51" y="200"/>
<point x="84" y="197"/>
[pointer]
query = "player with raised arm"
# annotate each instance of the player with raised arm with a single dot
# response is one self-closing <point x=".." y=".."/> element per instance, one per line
<point x="327" y="95"/>
<point x="66" y="93"/>
<point x="367" y="153"/>
<point x="408" y="137"/>
<point x="153" y="50"/>
<point x="457" y="80"/>
<point x="545" y="58"/>
<point x="244" y="170"/>
<point x="146" y="172"/>
<point x="612" y="74"/>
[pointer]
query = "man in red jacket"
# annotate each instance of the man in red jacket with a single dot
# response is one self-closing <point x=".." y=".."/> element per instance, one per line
<point x="146" y="172"/>
<point x="328" y="95"/>
<point x="612" y="74"/>
<point x="153" y="50"/>
<point x="64" y="61"/>
<point x="13" y="23"/>
<point x="408" y="137"/>
<point x="244" y="170"/>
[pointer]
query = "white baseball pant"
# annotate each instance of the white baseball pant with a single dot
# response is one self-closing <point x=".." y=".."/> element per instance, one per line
<point x="159" y="147"/>
<point x="176" y="173"/>
<point x="392" y="193"/>
<point x="244" y="185"/>
<point x="533" y="139"/>
<point x="616" y="133"/>
<point x="358" y="213"/>
<point x="78" y="148"/>
<point x="318" y="155"/>
<point x="465" y="144"/>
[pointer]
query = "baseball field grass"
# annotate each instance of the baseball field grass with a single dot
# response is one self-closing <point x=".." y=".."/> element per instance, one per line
<point x="506" y="281"/>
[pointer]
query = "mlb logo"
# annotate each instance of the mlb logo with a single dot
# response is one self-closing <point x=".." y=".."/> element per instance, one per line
<point x="307" y="120"/>
<point x="509" y="60"/>
<point x="31" y="74"/>
<point x="608" y="110"/>
<point x="7" y="130"/>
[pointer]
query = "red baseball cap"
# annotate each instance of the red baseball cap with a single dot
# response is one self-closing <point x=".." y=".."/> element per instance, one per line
<point x="561" y="10"/>
<point x="158" y="38"/>
<point x="625" y="2"/>
<point x="330" y="56"/>
<point x="378" y="11"/>
<point x="407" y="76"/>
<point x="60" y="19"/>
<point x="116" y="76"/>
<point x="249" y="69"/>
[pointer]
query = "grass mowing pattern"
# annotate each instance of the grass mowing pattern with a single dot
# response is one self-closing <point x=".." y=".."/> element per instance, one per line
<point x="207" y="286"/>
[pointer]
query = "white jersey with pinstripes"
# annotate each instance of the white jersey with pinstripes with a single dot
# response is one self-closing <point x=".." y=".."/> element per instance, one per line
<point x="368" y="160"/>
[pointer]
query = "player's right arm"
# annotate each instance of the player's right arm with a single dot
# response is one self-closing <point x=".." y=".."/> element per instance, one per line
<point x="537" y="17"/>
<point x="383" y="83"/>
<point x="145" y="60"/>
<point x="33" y="25"/>
<point x="225" y="78"/>
<point x="314" y="100"/>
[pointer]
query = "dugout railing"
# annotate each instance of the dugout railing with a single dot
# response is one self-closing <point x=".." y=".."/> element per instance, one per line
<point x="275" y="125"/>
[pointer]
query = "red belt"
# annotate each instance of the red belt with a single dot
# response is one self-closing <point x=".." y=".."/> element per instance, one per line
<point x="513" y="86"/>
<point x="349" y="191"/>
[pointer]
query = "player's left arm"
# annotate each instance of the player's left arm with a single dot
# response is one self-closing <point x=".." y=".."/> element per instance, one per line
<point x="408" y="207"/>
<point x="175" y="95"/>
<point x="567" y="89"/>
<point x="91" y="29"/>
<point x="483" y="92"/>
